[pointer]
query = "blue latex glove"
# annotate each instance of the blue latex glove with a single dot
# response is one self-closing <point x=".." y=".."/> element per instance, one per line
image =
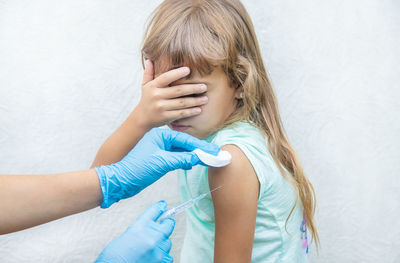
<point x="157" y="153"/>
<point x="146" y="241"/>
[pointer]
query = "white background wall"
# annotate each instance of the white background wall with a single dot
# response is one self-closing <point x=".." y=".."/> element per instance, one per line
<point x="70" y="74"/>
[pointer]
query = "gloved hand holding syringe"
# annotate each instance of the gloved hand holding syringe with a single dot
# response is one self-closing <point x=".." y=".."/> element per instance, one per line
<point x="222" y="159"/>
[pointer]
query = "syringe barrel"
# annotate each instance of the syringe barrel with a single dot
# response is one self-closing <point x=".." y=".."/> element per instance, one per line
<point x="173" y="211"/>
<point x="182" y="207"/>
<point x="167" y="214"/>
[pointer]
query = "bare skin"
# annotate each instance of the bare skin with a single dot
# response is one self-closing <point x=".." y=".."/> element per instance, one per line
<point x="30" y="200"/>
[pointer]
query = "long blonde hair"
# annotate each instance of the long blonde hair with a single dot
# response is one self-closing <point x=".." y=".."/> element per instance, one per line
<point x="204" y="34"/>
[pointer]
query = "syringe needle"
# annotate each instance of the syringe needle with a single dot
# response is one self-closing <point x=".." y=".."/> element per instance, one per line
<point x="215" y="189"/>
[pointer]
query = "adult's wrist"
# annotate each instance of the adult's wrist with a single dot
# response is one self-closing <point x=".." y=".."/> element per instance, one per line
<point x="105" y="173"/>
<point x="115" y="184"/>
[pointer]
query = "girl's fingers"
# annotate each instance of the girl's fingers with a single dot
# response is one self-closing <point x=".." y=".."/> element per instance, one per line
<point x="183" y="103"/>
<point x="180" y="114"/>
<point x="148" y="74"/>
<point x="170" y="76"/>
<point x="183" y="90"/>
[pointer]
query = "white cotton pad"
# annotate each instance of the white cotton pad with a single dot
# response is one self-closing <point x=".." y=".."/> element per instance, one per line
<point x="223" y="158"/>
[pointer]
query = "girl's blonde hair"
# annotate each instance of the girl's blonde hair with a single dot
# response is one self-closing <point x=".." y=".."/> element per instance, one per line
<point x="204" y="34"/>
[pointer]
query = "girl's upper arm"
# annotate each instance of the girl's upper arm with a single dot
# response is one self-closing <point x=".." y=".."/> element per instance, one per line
<point x="235" y="207"/>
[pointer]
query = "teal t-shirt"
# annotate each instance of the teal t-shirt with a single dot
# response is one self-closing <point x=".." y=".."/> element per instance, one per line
<point x="272" y="243"/>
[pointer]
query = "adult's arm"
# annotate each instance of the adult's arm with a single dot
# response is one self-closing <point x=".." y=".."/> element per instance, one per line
<point x="30" y="200"/>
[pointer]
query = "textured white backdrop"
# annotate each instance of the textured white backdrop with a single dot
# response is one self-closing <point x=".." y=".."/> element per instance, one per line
<point x="70" y="74"/>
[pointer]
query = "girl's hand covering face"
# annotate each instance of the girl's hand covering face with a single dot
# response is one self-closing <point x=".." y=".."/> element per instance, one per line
<point x="161" y="104"/>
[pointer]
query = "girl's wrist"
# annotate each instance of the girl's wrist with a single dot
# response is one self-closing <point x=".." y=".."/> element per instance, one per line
<point x="138" y="122"/>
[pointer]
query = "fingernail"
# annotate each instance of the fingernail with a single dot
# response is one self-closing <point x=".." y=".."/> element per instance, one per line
<point x="204" y="99"/>
<point x="186" y="69"/>
<point x="203" y="87"/>
<point x="197" y="110"/>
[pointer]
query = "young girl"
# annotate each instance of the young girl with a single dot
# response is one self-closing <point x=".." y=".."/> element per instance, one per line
<point x="261" y="212"/>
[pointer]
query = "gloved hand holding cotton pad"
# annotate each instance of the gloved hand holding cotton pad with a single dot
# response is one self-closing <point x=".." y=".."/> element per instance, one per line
<point x="222" y="159"/>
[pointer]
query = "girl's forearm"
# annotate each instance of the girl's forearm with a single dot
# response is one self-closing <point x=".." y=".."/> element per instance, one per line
<point x="30" y="200"/>
<point x="121" y="141"/>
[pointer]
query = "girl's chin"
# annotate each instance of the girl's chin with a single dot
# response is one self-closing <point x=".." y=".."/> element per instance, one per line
<point x="198" y="135"/>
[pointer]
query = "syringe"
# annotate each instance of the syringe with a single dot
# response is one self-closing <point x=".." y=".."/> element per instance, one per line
<point x="182" y="207"/>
